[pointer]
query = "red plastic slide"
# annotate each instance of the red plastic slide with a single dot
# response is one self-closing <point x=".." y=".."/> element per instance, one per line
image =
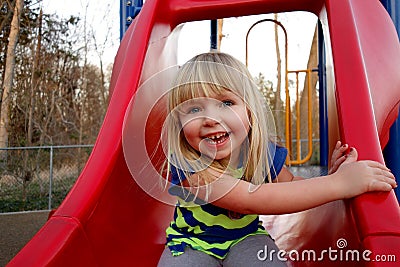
<point x="109" y="220"/>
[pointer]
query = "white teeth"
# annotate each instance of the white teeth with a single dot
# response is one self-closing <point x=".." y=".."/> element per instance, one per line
<point x="216" y="136"/>
<point x="217" y="139"/>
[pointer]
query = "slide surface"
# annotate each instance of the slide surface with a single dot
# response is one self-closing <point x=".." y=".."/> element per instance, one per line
<point x="109" y="219"/>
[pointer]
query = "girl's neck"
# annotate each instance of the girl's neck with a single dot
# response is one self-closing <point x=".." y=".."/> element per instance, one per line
<point x="231" y="162"/>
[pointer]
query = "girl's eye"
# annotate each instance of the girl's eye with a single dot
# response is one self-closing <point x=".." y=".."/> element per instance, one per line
<point x="193" y="110"/>
<point x="227" y="103"/>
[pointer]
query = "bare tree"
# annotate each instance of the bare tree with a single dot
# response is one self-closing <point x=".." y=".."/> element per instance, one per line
<point x="9" y="13"/>
<point x="34" y="79"/>
<point x="278" y="105"/>
<point x="9" y="72"/>
<point x="220" y="33"/>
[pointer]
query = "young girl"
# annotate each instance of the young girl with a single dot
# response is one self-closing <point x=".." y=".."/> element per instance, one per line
<point x="225" y="168"/>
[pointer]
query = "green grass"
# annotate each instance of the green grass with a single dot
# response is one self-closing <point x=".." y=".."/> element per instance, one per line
<point x="36" y="197"/>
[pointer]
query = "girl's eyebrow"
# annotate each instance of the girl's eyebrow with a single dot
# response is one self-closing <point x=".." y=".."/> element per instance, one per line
<point x="227" y="94"/>
<point x="191" y="101"/>
<point x="187" y="104"/>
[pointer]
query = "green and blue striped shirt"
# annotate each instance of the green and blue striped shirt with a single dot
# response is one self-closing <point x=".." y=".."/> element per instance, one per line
<point x="209" y="228"/>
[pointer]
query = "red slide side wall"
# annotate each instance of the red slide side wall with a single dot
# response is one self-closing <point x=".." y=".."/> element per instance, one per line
<point x="367" y="66"/>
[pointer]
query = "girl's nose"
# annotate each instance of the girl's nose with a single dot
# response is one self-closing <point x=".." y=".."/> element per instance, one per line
<point x="210" y="121"/>
<point x="212" y="113"/>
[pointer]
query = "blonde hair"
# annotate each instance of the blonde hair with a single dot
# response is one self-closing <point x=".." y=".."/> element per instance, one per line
<point x="208" y="74"/>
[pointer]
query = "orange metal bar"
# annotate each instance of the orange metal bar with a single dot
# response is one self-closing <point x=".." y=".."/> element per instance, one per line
<point x="288" y="137"/>
<point x="300" y="160"/>
<point x="288" y="117"/>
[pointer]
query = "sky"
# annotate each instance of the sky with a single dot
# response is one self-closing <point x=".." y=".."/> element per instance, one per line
<point x="261" y="46"/>
<point x="103" y="16"/>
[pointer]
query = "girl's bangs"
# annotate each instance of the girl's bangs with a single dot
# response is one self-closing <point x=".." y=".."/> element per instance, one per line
<point x="189" y="91"/>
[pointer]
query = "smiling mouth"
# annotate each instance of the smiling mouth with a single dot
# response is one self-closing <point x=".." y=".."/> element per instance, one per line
<point x="217" y="138"/>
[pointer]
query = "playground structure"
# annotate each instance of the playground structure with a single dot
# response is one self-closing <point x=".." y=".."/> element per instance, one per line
<point x="109" y="220"/>
<point x="295" y="157"/>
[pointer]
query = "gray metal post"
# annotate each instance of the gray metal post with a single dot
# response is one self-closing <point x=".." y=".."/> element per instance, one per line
<point x="51" y="177"/>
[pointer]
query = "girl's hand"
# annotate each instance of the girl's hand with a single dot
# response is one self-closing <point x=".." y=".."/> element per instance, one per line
<point x="339" y="155"/>
<point x="356" y="177"/>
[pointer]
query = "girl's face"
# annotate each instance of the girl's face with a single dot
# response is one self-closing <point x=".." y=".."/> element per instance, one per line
<point x="216" y="125"/>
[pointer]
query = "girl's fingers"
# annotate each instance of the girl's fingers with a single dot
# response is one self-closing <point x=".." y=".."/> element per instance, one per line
<point x="343" y="148"/>
<point x="338" y="162"/>
<point x="384" y="177"/>
<point x="351" y="156"/>
<point x="339" y="150"/>
<point x="336" y="149"/>
<point x="384" y="174"/>
<point x="337" y="157"/>
<point x="392" y="182"/>
<point x="338" y="144"/>
<point x="381" y="186"/>
<point x="379" y="168"/>
<point x="375" y="164"/>
<point x="388" y="181"/>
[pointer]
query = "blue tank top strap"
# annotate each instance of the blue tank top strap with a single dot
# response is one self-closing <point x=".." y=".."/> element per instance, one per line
<point x="278" y="161"/>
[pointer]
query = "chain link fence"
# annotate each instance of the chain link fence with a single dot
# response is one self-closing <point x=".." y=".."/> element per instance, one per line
<point x="39" y="178"/>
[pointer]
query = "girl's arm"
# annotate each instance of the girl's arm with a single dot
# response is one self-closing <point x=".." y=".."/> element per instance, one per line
<point x="351" y="179"/>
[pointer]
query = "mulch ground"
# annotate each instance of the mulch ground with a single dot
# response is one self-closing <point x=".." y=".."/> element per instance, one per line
<point x="16" y="229"/>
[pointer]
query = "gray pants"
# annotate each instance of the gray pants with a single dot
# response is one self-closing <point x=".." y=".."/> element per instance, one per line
<point x="253" y="251"/>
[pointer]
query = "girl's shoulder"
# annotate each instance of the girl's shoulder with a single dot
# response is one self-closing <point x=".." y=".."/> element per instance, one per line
<point x="278" y="157"/>
<point x="178" y="175"/>
<point x="280" y="152"/>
